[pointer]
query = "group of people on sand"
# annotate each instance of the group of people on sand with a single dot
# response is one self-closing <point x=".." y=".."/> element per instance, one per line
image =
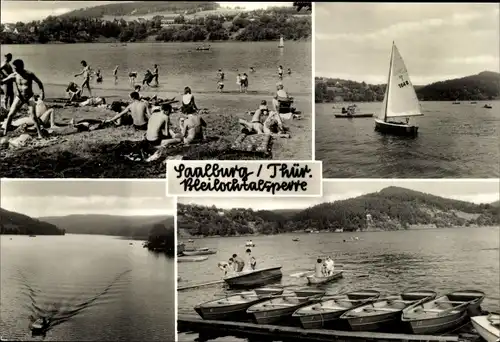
<point x="324" y="268"/>
<point x="236" y="264"/>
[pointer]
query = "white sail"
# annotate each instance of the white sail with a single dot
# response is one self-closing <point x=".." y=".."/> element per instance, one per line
<point x="282" y="43"/>
<point x="401" y="99"/>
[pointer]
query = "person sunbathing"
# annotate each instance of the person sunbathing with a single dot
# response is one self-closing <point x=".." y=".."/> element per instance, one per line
<point x="138" y="111"/>
<point x="188" y="103"/>
<point x="256" y="126"/>
<point x="192" y="129"/>
<point x="44" y="115"/>
<point x="74" y="92"/>
<point x="160" y="132"/>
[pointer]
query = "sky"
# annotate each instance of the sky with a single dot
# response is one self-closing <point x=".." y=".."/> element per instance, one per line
<point x="486" y="191"/>
<point x="14" y="11"/>
<point x="437" y="41"/>
<point x="58" y="198"/>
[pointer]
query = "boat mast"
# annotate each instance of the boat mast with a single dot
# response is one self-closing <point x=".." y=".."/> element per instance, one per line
<point x="388" y="81"/>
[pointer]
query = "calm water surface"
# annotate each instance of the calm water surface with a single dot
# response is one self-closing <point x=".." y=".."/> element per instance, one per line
<point x="454" y="141"/>
<point x="179" y="65"/>
<point x="438" y="259"/>
<point x="95" y="288"/>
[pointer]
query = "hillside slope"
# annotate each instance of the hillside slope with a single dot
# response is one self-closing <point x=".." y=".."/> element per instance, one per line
<point x="128" y="226"/>
<point x="16" y="223"/>
<point x="392" y="208"/>
<point x="483" y="86"/>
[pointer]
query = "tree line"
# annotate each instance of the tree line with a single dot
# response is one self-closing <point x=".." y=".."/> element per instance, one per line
<point x="390" y="209"/>
<point x="483" y="86"/>
<point x="259" y="25"/>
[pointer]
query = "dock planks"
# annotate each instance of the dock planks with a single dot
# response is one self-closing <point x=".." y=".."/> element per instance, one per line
<point x="209" y="329"/>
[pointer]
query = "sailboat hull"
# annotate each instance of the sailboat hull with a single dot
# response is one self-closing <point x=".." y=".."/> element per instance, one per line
<point x="395" y="128"/>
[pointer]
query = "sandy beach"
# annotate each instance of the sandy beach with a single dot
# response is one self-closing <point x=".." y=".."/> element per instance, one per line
<point x="101" y="153"/>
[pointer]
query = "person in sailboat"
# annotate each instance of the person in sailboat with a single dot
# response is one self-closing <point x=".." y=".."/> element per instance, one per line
<point x="240" y="263"/>
<point x="251" y="260"/>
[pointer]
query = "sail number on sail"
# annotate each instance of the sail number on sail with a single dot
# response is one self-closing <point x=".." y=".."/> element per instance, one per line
<point x="404" y="84"/>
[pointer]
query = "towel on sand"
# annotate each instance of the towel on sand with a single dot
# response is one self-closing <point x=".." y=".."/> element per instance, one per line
<point x="253" y="143"/>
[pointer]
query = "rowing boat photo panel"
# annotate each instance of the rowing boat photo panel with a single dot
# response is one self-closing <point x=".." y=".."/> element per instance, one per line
<point x="87" y="261"/>
<point x="407" y="90"/>
<point x="116" y="89"/>
<point x="378" y="260"/>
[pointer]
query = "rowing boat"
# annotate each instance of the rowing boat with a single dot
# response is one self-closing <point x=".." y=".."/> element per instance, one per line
<point x="441" y="314"/>
<point x="191" y="258"/>
<point x="313" y="280"/>
<point x="488" y="326"/>
<point x="350" y="116"/>
<point x="326" y="313"/>
<point x="384" y="314"/>
<point x="234" y="307"/>
<point x="254" y="278"/>
<point x="200" y="251"/>
<point x="278" y="309"/>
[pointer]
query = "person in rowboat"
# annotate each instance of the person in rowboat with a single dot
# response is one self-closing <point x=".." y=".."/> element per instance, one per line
<point x="329" y="263"/>
<point x="319" y="268"/>
<point x="240" y="263"/>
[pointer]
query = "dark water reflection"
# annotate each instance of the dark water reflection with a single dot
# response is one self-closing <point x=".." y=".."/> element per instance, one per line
<point x="439" y="259"/>
<point x="91" y="288"/>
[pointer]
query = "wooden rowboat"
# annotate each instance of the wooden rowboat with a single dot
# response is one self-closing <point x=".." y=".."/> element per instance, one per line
<point x="442" y="314"/>
<point x="488" y="326"/>
<point x="254" y="278"/>
<point x="326" y="313"/>
<point x="278" y="309"/>
<point x="201" y="251"/>
<point x="384" y="314"/>
<point x="234" y="307"/>
<point x="191" y="258"/>
<point x="313" y="280"/>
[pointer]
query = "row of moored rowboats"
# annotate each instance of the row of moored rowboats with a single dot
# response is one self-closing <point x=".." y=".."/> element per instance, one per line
<point x="413" y="311"/>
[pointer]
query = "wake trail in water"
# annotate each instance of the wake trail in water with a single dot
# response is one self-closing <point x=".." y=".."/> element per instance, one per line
<point x="58" y="310"/>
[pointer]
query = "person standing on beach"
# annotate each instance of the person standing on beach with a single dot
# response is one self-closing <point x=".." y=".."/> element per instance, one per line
<point x="115" y="74"/>
<point x="86" y="72"/>
<point x="155" y="74"/>
<point x="23" y="79"/>
<point x="5" y="71"/>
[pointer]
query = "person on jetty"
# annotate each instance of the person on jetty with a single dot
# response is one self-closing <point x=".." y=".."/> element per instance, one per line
<point x="74" y="92"/>
<point x="138" y="111"/>
<point x="115" y="74"/>
<point x="240" y="263"/>
<point x="159" y="132"/>
<point x="244" y="82"/>
<point x="155" y="74"/>
<point x="318" y="270"/>
<point x="86" y="72"/>
<point x="44" y="114"/>
<point x="23" y="80"/>
<point x="8" y="88"/>
<point x="188" y="103"/>
<point x="132" y="77"/>
<point x="251" y="260"/>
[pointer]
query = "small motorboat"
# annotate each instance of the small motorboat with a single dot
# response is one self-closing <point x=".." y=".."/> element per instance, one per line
<point x="191" y="258"/>
<point x="199" y="251"/>
<point x="384" y="314"/>
<point x="488" y="326"/>
<point x="487" y="106"/>
<point x="39" y="326"/>
<point x="278" y="309"/>
<point x="325" y="313"/>
<point x="234" y="307"/>
<point x="249" y="243"/>
<point x="442" y="314"/>
<point x="296" y="239"/>
<point x="313" y="280"/>
<point x="254" y="278"/>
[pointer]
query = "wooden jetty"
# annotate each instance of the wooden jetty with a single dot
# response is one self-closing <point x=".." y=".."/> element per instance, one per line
<point x="209" y="330"/>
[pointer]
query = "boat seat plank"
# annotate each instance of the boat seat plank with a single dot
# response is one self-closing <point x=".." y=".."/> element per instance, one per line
<point x="382" y="309"/>
<point x="438" y="311"/>
<point x="450" y="301"/>
<point x="233" y="302"/>
<point x="281" y="304"/>
<point x="402" y="301"/>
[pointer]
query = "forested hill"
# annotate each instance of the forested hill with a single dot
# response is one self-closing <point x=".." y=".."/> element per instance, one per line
<point x="392" y="208"/>
<point x="138" y="8"/>
<point x="16" y="223"/>
<point x="483" y="86"/>
<point x="127" y="226"/>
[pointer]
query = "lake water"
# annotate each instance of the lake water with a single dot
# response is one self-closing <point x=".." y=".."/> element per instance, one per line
<point x="454" y="141"/>
<point x="95" y="288"/>
<point x="179" y="64"/>
<point x="440" y="259"/>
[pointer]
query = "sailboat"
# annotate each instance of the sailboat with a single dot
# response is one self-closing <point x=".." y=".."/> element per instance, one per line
<point x="282" y="43"/>
<point x="400" y="100"/>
